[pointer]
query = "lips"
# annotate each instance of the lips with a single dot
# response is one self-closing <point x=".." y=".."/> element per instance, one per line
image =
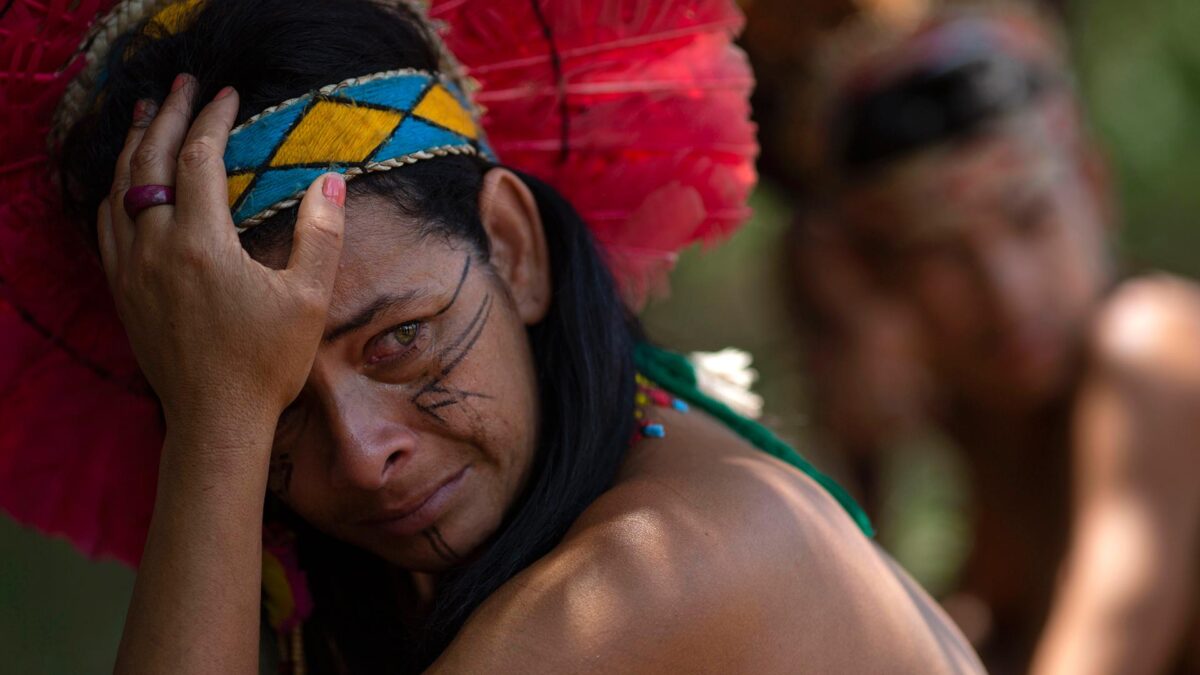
<point x="419" y="513"/>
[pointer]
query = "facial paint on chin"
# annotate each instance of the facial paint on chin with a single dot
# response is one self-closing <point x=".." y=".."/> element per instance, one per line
<point x="436" y="542"/>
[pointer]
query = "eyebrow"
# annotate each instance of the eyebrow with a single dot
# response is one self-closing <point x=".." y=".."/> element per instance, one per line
<point x="390" y="303"/>
<point x="367" y="314"/>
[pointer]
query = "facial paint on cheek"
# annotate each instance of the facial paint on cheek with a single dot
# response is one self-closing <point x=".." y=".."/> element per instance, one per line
<point x="435" y="395"/>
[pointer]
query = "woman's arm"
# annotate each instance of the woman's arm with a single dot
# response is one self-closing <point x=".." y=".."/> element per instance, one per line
<point x="195" y="604"/>
<point x="226" y="344"/>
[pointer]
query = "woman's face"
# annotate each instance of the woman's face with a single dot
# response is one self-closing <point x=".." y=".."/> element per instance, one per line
<point x="416" y="430"/>
<point x="999" y="244"/>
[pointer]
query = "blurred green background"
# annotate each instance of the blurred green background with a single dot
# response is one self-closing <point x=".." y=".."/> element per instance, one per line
<point x="1139" y="70"/>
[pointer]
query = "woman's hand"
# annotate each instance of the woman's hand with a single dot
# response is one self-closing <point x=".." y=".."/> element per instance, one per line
<point x="222" y="339"/>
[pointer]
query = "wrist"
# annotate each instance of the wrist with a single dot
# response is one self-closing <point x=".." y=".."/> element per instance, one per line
<point x="222" y="428"/>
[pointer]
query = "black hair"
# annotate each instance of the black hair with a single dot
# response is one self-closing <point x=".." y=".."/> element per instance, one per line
<point x="932" y="103"/>
<point x="272" y="50"/>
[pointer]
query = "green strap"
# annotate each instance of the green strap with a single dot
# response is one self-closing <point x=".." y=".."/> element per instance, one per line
<point x="674" y="373"/>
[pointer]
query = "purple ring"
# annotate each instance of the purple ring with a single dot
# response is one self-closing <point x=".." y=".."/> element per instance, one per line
<point x="141" y="197"/>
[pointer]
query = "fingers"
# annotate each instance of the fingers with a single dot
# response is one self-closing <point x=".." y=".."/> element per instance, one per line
<point x="317" y="243"/>
<point x="144" y="112"/>
<point x="122" y="226"/>
<point x="108" y="243"/>
<point x="201" y="187"/>
<point x="153" y="160"/>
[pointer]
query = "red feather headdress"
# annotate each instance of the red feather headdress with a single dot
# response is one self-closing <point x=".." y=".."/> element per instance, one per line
<point x="635" y="110"/>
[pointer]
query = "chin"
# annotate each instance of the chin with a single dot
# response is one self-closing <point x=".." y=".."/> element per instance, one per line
<point x="444" y="546"/>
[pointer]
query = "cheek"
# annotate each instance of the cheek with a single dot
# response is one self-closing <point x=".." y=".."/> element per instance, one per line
<point x="504" y="367"/>
<point x="1092" y="270"/>
<point x="943" y="294"/>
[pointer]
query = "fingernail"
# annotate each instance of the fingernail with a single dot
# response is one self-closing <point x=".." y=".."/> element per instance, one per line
<point x="223" y="93"/>
<point x="143" y="111"/>
<point x="334" y="189"/>
<point x="178" y="82"/>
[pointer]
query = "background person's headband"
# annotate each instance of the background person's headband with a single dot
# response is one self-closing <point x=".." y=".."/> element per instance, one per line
<point x="935" y="102"/>
<point x="948" y="78"/>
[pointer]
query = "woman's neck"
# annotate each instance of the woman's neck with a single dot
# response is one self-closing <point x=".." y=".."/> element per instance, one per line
<point x="425" y="587"/>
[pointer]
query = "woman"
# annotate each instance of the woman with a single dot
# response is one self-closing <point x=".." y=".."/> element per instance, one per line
<point x="428" y="377"/>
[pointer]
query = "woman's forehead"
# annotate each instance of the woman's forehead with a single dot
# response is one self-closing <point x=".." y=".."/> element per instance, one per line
<point x="975" y="173"/>
<point x="935" y="194"/>
<point x="385" y="253"/>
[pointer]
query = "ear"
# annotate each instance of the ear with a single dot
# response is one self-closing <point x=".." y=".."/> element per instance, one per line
<point x="514" y="228"/>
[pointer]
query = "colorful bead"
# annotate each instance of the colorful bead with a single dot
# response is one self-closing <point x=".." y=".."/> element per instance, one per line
<point x="649" y="394"/>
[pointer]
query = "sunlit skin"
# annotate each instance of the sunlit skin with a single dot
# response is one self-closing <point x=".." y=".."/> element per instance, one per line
<point x="706" y="555"/>
<point x="1005" y="271"/>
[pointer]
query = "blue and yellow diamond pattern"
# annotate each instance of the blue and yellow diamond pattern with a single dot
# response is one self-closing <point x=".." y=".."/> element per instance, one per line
<point x="276" y="156"/>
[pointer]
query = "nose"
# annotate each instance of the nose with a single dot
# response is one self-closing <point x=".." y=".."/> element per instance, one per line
<point x="368" y="440"/>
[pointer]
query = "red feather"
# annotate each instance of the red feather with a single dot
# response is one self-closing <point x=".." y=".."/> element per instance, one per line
<point x="79" y="431"/>
<point x="636" y="110"/>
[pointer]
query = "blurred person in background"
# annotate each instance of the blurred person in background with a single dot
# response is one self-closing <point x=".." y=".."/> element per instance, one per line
<point x="959" y="273"/>
<point x="868" y="387"/>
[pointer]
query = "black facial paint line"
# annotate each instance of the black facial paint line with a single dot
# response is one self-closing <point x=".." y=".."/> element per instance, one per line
<point x="437" y="534"/>
<point x="436" y="543"/>
<point x="471" y="335"/>
<point x="462" y="279"/>
<point x="435" y="394"/>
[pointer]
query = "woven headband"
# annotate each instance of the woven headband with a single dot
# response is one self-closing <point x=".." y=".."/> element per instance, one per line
<point x="365" y="124"/>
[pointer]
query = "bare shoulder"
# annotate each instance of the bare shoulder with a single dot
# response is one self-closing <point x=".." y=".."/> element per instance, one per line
<point x="709" y="556"/>
<point x="1151" y="326"/>
<point x="1136" y="418"/>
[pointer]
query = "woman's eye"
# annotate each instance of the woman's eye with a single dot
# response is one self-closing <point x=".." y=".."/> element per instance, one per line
<point x="394" y="343"/>
<point x="406" y="333"/>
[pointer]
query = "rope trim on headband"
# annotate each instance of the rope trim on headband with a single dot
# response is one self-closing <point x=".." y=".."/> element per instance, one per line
<point x="353" y="172"/>
<point x="122" y="18"/>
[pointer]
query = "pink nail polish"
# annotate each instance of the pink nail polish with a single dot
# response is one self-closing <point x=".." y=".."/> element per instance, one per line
<point x="225" y="91"/>
<point x="334" y="189"/>
<point x="178" y="82"/>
